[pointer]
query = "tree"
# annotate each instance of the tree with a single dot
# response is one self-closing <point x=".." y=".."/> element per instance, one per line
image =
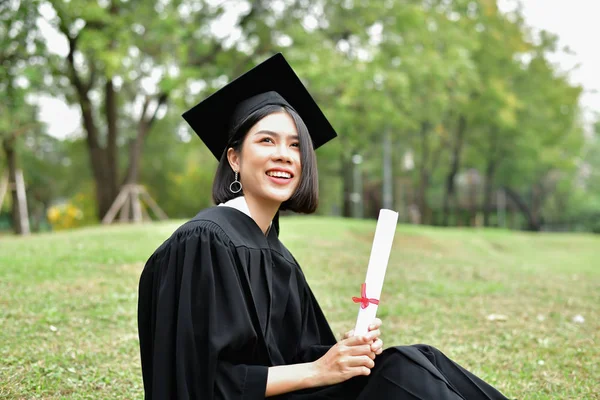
<point x="128" y="60"/>
<point x="104" y="69"/>
<point x="551" y="137"/>
<point x="431" y="50"/>
<point x="494" y="104"/>
<point x="20" y="48"/>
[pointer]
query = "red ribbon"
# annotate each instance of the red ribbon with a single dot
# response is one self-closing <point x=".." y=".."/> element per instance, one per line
<point x="363" y="299"/>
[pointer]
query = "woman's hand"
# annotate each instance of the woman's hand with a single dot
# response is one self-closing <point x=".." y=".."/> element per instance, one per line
<point x="348" y="358"/>
<point x="377" y="345"/>
<point x="352" y="356"/>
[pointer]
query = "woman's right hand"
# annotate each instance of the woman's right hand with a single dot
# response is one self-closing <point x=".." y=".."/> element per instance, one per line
<point x="346" y="359"/>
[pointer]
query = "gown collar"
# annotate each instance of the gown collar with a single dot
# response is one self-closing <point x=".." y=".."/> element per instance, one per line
<point x="240" y="204"/>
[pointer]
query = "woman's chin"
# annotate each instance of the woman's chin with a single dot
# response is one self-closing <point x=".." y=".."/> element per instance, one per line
<point x="278" y="196"/>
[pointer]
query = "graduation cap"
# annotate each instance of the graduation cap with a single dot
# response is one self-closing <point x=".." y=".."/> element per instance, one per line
<point x="272" y="82"/>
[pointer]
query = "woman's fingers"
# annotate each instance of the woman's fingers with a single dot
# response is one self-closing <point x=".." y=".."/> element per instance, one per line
<point x="356" y="371"/>
<point x="359" y="350"/>
<point x="373" y="335"/>
<point x="358" y="361"/>
<point x="357" y="340"/>
<point x="348" y="334"/>
<point x="375" y="325"/>
<point x="346" y="359"/>
<point x="369" y="345"/>
<point x="377" y="347"/>
<point x="357" y="346"/>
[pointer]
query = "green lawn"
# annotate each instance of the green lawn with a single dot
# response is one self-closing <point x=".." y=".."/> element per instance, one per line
<point x="68" y="303"/>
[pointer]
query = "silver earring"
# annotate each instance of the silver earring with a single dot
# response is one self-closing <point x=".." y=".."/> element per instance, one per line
<point x="235" y="186"/>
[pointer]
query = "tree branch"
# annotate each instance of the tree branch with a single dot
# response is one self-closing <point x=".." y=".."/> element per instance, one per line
<point x="81" y="88"/>
<point x="144" y="109"/>
<point x="532" y="222"/>
<point x="71" y="57"/>
<point x="145" y="122"/>
<point x="92" y="78"/>
<point x="18" y="132"/>
<point x="437" y="154"/>
<point x="162" y="99"/>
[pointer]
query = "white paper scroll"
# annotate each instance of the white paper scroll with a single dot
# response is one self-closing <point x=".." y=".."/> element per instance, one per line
<point x="380" y="255"/>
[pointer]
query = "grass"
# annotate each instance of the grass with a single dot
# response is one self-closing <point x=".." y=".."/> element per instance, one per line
<point x="68" y="303"/>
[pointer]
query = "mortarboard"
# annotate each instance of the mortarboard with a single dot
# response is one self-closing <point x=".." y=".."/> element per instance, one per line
<point x="271" y="82"/>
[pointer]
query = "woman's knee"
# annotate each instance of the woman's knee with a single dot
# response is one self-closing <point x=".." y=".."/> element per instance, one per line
<point x="426" y="348"/>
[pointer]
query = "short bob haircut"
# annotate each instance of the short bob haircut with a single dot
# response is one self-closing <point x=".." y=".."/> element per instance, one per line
<point x="306" y="198"/>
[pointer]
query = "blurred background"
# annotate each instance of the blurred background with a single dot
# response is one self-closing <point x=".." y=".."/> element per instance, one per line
<point x="452" y="112"/>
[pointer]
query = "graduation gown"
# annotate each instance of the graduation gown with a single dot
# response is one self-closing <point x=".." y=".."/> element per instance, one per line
<point x="220" y="302"/>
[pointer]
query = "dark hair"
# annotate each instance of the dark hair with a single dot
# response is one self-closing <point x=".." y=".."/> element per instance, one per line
<point x="306" y="197"/>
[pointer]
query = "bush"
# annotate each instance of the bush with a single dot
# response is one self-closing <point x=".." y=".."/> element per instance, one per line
<point x="64" y="216"/>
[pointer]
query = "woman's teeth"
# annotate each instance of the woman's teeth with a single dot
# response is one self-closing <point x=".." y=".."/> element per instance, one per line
<point x="279" y="174"/>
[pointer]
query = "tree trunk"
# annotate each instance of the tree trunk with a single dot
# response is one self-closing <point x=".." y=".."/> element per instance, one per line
<point x="111" y="114"/>
<point x="136" y="146"/>
<point x="490" y="171"/>
<point x="422" y="196"/>
<point x="541" y="193"/>
<point x="346" y="185"/>
<point x="112" y="163"/>
<point x="493" y="160"/>
<point x="449" y="193"/>
<point x="472" y="207"/>
<point x="98" y="161"/>
<point x="424" y="173"/>
<point x="532" y="222"/>
<point x="135" y="155"/>
<point x="8" y="145"/>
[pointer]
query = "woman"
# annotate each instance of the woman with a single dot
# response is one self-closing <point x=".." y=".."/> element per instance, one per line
<point x="225" y="311"/>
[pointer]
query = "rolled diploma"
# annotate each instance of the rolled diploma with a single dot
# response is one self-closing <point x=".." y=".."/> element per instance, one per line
<point x="380" y="255"/>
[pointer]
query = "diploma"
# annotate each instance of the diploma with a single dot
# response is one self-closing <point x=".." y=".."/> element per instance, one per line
<point x="380" y="255"/>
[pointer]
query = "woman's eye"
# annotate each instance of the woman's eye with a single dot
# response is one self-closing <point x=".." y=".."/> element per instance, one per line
<point x="267" y="139"/>
<point x="295" y="144"/>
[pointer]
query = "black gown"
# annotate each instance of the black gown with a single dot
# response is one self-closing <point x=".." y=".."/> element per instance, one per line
<point x="220" y="302"/>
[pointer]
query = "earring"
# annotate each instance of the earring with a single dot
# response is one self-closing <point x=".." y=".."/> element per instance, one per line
<point x="235" y="186"/>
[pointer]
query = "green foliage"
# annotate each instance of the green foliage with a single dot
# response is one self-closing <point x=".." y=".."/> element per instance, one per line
<point x="414" y="69"/>
<point x="180" y="180"/>
<point x="20" y="50"/>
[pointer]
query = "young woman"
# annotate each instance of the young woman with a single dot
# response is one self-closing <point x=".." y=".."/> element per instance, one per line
<point x="225" y="311"/>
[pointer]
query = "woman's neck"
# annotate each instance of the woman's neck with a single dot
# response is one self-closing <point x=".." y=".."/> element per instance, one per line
<point x="262" y="213"/>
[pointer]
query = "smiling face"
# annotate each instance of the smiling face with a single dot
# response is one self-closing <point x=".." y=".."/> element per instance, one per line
<point x="269" y="163"/>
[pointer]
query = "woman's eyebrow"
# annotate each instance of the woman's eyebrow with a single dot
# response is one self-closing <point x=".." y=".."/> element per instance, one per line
<point x="276" y="135"/>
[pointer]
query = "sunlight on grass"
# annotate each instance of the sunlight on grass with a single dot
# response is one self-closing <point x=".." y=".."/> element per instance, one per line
<point x="69" y="302"/>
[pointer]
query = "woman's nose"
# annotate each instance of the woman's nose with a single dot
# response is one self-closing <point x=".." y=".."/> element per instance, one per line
<point x="282" y="153"/>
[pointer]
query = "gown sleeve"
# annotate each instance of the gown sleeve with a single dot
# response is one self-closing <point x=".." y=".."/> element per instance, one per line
<point x="317" y="337"/>
<point x="192" y="312"/>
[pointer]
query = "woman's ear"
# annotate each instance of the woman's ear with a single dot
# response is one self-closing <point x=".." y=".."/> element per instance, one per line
<point x="234" y="159"/>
